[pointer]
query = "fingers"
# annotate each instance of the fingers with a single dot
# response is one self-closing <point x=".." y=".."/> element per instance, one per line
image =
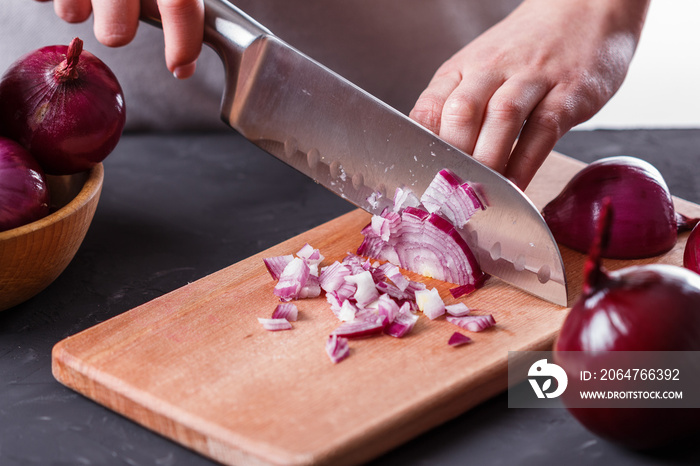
<point x="183" y="28"/>
<point x="553" y="117"/>
<point x="72" y="11"/>
<point x="428" y="108"/>
<point x="506" y="113"/>
<point x="115" y="21"/>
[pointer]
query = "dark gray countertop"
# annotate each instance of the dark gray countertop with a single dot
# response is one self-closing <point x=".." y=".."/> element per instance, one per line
<point x="177" y="207"/>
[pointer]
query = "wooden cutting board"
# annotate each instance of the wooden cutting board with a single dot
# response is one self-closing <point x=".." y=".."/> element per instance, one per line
<point x="196" y="366"/>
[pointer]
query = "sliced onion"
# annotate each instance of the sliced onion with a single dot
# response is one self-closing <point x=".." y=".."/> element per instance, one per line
<point x="430" y="303"/>
<point x="458" y="339"/>
<point x="473" y="323"/>
<point x="457" y="310"/>
<point x="337" y="348"/>
<point x="311" y="288"/>
<point x="274" y="325"/>
<point x="333" y="277"/>
<point x="287" y="311"/>
<point x="450" y="196"/>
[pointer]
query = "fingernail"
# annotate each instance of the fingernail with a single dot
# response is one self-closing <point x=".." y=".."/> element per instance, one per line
<point x="185" y="71"/>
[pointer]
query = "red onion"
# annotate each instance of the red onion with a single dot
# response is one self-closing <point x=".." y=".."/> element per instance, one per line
<point x="430" y="303"/>
<point x="448" y="195"/>
<point x="64" y="105"/>
<point x="691" y="254"/>
<point x="472" y="323"/>
<point x="337" y="348"/>
<point x="274" y="325"/>
<point x="24" y="196"/>
<point x="457" y="310"/>
<point x="645" y="222"/>
<point x="639" y="308"/>
<point x="458" y="339"/>
<point x="287" y="311"/>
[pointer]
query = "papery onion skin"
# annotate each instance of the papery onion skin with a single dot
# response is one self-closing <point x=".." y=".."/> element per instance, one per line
<point x="645" y="223"/>
<point x="24" y="196"/>
<point x="640" y="308"/>
<point x="69" y="117"/>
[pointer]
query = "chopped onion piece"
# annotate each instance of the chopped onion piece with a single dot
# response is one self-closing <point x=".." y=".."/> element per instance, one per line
<point x="333" y="276"/>
<point x="387" y="308"/>
<point x="458" y="339"/>
<point x="373" y="199"/>
<point x="457" y="310"/>
<point x="403" y="323"/>
<point x="430" y="302"/>
<point x="275" y="265"/>
<point x="404" y="197"/>
<point x="473" y="323"/>
<point x="464" y="290"/>
<point x="337" y="348"/>
<point x="394" y="274"/>
<point x="288" y="311"/>
<point x="292" y="280"/>
<point x="448" y="195"/>
<point x="275" y="324"/>
<point x="359" y="328"/>
<point x="312" y="256"/>
<point x="347" y="311"/>
<point x="311" y="289"/>
<point x="366" y="289"/>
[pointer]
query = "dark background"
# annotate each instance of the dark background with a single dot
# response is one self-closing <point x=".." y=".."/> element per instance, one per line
<point x="175" y="208"/>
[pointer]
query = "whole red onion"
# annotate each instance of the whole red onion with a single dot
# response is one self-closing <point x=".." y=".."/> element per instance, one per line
<point x="639" y="308"/>
<point x="24" y="196"/>
<point x="64" y="105"/>
<point x="691" y="254"/>
<point x="645" y="224"/>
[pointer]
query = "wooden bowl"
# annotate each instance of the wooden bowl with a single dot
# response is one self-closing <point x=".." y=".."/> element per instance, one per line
<point x="34" y="255"/>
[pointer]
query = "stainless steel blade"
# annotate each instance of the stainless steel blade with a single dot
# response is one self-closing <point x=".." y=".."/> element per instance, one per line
<point x="355" y="145"/>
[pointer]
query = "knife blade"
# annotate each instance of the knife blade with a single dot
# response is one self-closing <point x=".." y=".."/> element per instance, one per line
<point x="355" y="145"/>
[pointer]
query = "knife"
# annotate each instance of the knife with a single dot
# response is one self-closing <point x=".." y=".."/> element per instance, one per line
<point x="356" y="145"/>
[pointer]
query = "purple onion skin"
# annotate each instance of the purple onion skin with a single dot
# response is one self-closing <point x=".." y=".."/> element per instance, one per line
<point x="24" y="196"/>
<point x="691" y="254"/>
<point x="69" y="119"/>
<point x="645" y="223"/>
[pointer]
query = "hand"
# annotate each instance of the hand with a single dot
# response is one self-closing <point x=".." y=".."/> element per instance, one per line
<point x="508" y="96"/>
<point x="116" y="22"/>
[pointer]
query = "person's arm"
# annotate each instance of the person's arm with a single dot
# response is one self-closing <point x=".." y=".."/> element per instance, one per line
<point x="508" y="96"/>
<point x="116" y="21"/>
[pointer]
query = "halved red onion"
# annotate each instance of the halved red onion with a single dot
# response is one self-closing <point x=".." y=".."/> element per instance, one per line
<point x="458" y="339"/>
<point x="288" y="311"/>
<point x="457" y="310"/>
<point x="337" y="348"/>
<point x="645" y="224"/>
<point x="426" y="244"/>
<point x="473" y="323"/>
<point x="292" y="280"/>
<point x="275" y="265"/>
<point x="274" y="325"/>
<point x="450" y="196"/>
<point x="430" y="303"/>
